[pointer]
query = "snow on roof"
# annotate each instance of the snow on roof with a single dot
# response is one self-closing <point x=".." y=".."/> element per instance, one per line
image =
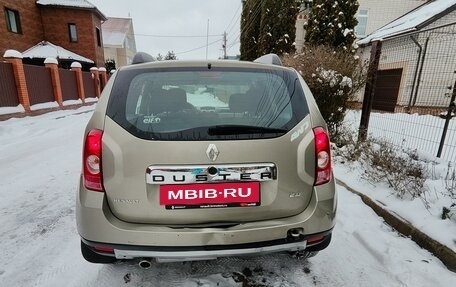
<point x="46" y="49"/>
<point x="114" y="31"/>
<point x="67" y="3"/>
<point x="78" y="4"/>
<point x="410" y="21"/>
<point x="12" y="54"/>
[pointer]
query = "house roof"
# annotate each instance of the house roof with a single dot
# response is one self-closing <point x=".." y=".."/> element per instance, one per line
<point x="115" y="30"/>
<point x="412" y="21"/>
<point x="78" y="4"/>
<point x="46" y="49"/>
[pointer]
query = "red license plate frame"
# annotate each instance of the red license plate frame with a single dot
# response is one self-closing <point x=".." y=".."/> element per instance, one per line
<point x="210" y="195"/>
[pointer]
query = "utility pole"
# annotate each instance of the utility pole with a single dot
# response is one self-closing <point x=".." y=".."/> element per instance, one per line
<point x="207" y="39"/>
<point x="224" y="46"/>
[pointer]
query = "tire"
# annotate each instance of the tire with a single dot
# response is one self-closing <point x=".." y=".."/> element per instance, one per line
<point x="93" y="257"/>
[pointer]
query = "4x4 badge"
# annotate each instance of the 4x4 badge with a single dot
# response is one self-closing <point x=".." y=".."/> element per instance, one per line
<point x="212" y="152"/>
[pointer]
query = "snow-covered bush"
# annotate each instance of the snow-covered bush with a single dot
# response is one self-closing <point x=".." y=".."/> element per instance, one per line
<point x="449" y="212"/>
<point x="381" y="161"/>
<point x="333" y="76"/>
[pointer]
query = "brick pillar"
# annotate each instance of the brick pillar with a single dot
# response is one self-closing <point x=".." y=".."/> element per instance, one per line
<point x="96" y="81"/>
<point x="104" y="76"/>
<point x="15" y="58"/>
<point x="77" y="69"/>
<point x="52" y="65"/>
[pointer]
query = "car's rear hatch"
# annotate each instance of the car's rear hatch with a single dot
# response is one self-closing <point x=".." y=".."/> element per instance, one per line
<point x="126" y="160"/>
<point x="187" y="146"/>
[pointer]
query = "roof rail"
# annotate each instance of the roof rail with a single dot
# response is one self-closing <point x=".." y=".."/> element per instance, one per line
<point x="271" y="59"/>
<point x="142" y="57"/>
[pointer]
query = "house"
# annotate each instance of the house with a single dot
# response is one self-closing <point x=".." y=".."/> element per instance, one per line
<point x="372" y="14"/>
<point x="73" y="25"/>
<point x="119" y="40"/>
<point x="417" y="68"/>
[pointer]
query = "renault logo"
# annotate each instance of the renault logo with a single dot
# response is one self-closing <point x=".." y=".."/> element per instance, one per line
<point x="212" y="152"/>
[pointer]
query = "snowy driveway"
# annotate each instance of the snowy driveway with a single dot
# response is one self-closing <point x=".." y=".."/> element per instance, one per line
<point x="39" y="169"/>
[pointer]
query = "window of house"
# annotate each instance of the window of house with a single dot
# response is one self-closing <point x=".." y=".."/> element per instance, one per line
<point x="98" y="37"/>
<point x="361" y="28"/>
<point x="13" y="21"/>
<point x="73" y="32"/>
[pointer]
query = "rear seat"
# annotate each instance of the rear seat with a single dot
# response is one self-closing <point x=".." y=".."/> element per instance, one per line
<point x="241" y="103"/>
<point x="161" y="100"/>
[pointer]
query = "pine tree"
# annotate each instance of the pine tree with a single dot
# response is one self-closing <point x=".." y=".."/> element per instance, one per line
<point x="332" y="23"/>
<point x="278" y="26"/>
<point x="250" y="29"/>
<point x="170" y="56"/>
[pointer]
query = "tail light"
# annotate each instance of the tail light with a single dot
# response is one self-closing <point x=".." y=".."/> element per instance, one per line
<point x="93" y="178"/>
<point x="322" y="156"/>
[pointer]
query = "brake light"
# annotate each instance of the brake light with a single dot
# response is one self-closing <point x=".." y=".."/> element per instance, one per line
<point x="93" y="178"/>
<point x="322" y="156"/>
<point x="104" y="249"/>
<point x="314" y="239"/>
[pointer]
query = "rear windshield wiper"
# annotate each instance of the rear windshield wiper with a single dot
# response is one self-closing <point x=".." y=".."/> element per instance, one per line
<point x="241" y="129"/>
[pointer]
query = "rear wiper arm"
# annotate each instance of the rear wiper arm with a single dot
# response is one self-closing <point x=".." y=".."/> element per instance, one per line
<point x="242" y="129"/>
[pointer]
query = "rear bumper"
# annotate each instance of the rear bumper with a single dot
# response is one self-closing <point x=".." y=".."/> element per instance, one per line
<point x="96" y="223"/>
<point x="177" y="254"/>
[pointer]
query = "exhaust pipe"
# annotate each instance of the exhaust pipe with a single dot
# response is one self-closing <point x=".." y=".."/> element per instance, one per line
<point x="295" y="232"/>
<point x="145" y="264"/>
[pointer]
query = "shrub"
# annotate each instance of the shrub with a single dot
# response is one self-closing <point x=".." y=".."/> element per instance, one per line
<point x="383" y="162"/>
<point x="334" y="77"/>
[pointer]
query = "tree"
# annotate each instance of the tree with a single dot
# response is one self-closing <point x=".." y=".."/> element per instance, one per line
<point x="170" y="56"/>
<point x="332" y="23"/>
<point x="110" y="64"/>
<point x="159" y="57"/>
<point x="250" y="29"/>
<point x="334" y="77"/>
<point x="267" y="26"/>
<point x="278" y="26"/>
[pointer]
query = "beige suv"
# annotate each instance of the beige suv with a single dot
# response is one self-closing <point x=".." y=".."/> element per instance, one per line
<point x="195" y="160"/>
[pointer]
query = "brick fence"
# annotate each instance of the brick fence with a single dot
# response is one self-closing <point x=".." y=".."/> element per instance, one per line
<point x="31" y="85"/>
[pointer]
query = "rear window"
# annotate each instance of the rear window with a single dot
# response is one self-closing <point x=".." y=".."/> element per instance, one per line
<point x="207" y="104"/>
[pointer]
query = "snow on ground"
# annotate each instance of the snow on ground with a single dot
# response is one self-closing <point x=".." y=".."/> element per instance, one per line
<point x="11" y="110"/>
<point x="46" y="105"/>
<point x="414" y="211"/>
<point x="72" y="102"/>
<point x="39" y="167"/>
<point x="413" y="131"/>
<point x="409" y="131"/>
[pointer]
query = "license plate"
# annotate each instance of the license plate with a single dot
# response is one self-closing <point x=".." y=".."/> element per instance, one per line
<point x="213" y="195"/>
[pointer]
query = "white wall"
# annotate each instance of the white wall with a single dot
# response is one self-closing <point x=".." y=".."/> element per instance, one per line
<point x="381" y="12"/>
<point x="438" y="72"/>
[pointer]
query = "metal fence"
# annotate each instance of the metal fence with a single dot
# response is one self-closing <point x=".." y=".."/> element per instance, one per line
<point x="39" y="84"/>
<point x="89" y="86"/>
<point x="8" y="90"/>
<point x="68" y="84"/>
<point x="413" y="90"/>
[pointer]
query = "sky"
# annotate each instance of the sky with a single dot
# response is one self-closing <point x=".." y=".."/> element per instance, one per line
<point x="180" y="21"/>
